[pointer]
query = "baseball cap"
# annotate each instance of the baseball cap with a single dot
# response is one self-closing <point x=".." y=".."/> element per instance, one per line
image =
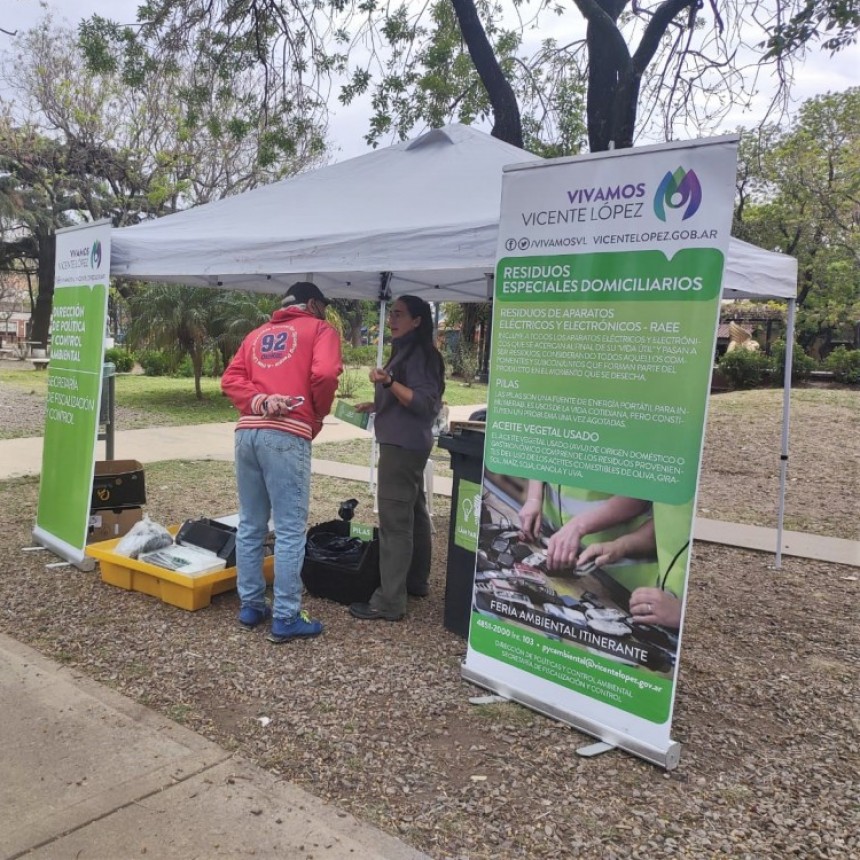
<point x="301" y="292"/>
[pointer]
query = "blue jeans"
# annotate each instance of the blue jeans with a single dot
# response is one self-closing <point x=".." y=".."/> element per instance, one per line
<point x="273" y="475"/>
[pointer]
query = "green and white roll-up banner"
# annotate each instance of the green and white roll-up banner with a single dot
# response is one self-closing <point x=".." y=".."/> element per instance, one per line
<point x="606" y="303"/>
<point x="74" y="389"/>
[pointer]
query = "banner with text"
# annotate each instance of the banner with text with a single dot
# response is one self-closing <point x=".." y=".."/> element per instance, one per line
<point x="607" y="294"/>
<point x="74" y="388"/>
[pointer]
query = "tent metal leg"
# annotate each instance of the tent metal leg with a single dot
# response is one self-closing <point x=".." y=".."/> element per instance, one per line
<point x="786" y="414"/>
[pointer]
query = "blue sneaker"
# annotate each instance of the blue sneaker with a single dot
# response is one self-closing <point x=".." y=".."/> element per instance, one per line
<point x="301" y="627"/>
<point x="252" y="616"/>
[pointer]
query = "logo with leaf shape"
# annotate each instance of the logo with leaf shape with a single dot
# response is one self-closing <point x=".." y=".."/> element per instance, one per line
<point x="678" y="190"/>
<point x="96" y="255"/>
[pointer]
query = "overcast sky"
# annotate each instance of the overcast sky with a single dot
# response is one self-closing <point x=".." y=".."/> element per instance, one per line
<point x="819" y="73"/>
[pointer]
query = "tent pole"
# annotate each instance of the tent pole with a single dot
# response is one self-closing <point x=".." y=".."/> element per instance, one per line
<point x="786" y="411"/>
<point x="383" y="298"/>
<point x="487" y="331"/>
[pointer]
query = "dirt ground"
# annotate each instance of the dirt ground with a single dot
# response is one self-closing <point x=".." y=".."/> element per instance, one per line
<point x="376" y="718"/>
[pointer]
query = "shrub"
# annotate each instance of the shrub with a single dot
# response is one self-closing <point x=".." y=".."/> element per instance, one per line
<point x="452" y="361"/>
<point x="121" y="358"/>
<point x="844" y="364"/>
<point x="802" y="365"/>
<point x="468" y="361"/>
<point x="349" y="381"/>
<point x="743" y="368"/>
<point x="364" y="355"/>
<point x="211" y="366"/>
<point x="155" y="362"/>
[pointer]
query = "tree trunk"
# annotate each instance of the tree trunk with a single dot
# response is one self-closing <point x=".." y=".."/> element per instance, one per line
<point x="469" y="325"/>
<point x="608" y="63"/>
<point x="41" y="322"/>
<point x="197" y="364"/>
<point x="507" y="123"/>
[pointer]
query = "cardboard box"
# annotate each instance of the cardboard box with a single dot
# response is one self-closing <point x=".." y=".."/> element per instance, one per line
<point x="107" y="525"/>
<point x="118" y="484"/>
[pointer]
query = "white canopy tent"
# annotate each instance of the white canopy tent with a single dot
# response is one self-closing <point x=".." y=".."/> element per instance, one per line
<point x="419" y="217"/>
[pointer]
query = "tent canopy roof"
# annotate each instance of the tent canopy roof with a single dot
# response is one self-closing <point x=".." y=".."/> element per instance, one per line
<point x="426" y="211"/>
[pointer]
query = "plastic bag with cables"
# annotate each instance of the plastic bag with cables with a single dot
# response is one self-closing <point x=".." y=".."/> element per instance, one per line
<point x="332" y="548"/>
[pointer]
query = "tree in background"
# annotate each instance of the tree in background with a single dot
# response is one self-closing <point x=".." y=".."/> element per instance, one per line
<point x="39" y="192"/>
<point x="835" y="23"/>
<point x="236" y="315"/>
<point x="178" y="320"/>
<point x="467" y="348"/>
<point x="667" y="68"/>
<point x="126" y="142"/>
<point x="355" y="316"/>
<point x="799" y="193"/>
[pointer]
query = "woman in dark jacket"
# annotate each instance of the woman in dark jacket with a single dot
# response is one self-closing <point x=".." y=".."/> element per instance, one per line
<point x="408" y="397"/>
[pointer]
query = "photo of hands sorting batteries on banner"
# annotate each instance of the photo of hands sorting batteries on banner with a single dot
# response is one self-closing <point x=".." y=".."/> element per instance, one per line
<point x="584" y="567"/>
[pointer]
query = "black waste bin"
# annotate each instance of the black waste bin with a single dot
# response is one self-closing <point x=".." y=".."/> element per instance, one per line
<point x="107" y="408"/>
<point x="466" y="449"/>
<point x="349" y="579"/>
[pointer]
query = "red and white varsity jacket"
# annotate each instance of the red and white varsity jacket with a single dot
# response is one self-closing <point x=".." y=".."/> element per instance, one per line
<point x="294" y="354"/>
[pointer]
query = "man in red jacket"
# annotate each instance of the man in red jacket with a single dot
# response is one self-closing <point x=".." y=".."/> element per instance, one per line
<point x="283" y="381"/>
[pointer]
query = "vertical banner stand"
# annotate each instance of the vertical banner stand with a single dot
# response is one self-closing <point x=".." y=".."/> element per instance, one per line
<point x="606" y="301"/>
<point x="75" y="379"/>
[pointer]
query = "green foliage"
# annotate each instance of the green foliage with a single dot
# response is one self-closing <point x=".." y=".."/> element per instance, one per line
<point x="350" y="380"/>
<point x="743" y="368"/>
<point x="449" y="354"/>
<point x="121" y="358"/>
<point x="155" y="362"/>
<point x="802" y="365"/>
<point x="211" y="366"/>
<point x="207" y="56"/>
<point x="467" y="360"/>
<point x="104" y="125"/>
<point x="235" y="315"/>
<point x="365" y="355"/>
<point x="355" y="315"/>
<point x="833" y="23"/>
<point x="798" y="188"/>
<point x="844" y="364"/>
<point x="430" y="79"/>
<point x="176" y="319"/>
<point x="662" y="69"/>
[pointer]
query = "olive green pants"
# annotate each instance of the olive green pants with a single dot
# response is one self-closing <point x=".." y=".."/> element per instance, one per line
<point x="405" y="539"/>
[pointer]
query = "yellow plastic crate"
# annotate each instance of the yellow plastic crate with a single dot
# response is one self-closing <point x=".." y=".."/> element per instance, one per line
<point x="170" y="586"/>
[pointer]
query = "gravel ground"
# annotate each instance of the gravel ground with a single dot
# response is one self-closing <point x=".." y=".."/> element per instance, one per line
<point x="22" y="411"/>
<point x="376" y="718"/>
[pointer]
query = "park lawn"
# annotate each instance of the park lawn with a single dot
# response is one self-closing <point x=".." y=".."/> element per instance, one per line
<point x="164" y="400"/>
<point x="170" y="401"/>
<point x="355" y="387"/>
<point x="357" y="453"/>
